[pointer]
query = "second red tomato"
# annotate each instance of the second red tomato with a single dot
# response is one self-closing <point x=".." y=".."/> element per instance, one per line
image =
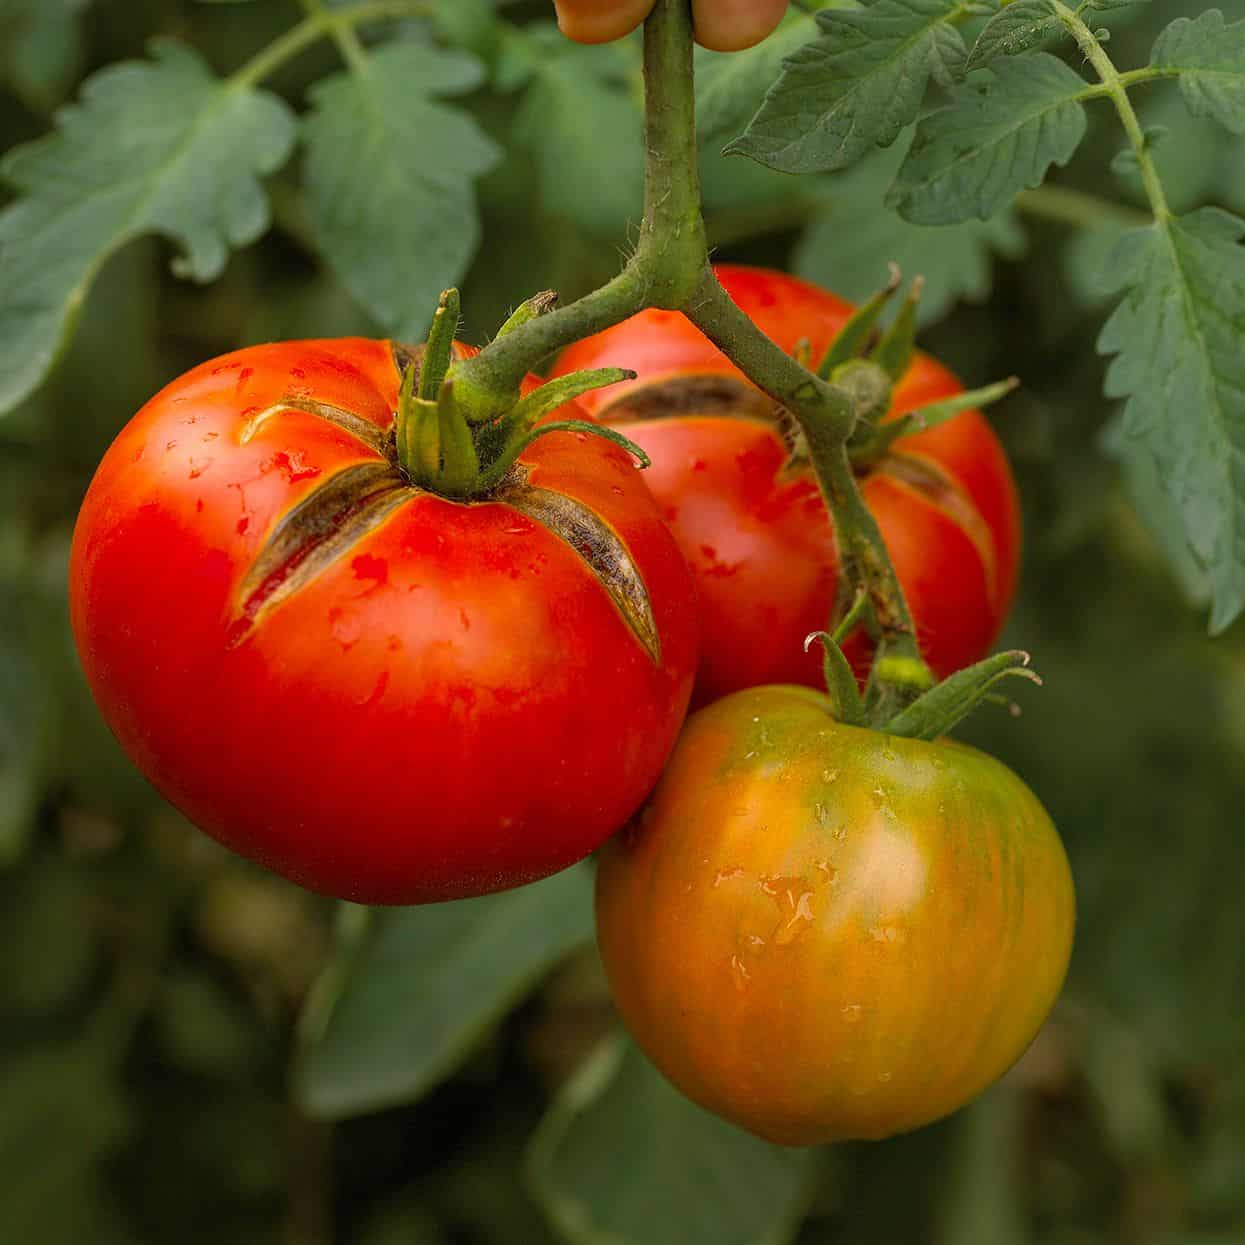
<point x="756" y="532"/>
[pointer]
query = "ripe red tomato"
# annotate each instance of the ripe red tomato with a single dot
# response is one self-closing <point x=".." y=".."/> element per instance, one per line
<point x="822" y="932"/>
<point x="381" y="694"/>
<point x="756" y="533"/>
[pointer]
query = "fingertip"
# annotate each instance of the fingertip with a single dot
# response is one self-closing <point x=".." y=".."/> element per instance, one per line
<point x="732" y="25"/>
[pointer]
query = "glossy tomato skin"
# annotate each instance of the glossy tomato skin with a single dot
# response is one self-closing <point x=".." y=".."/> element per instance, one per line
<point x="454" y="704"/>
<point x="756" y="533"/>
<point x="824" y="933"/>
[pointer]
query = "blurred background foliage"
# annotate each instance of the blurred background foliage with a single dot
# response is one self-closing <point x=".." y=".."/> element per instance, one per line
<point x="193" y="1051"/>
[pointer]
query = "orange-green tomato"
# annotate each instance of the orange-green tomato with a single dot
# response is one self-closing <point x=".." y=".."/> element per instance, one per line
<point x="822" y="932"/>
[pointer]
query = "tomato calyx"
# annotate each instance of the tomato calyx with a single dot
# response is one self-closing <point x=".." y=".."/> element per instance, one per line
<point x="439" y="447"/>
<point x="340" y="512"/>
<point x="937" y="710"/>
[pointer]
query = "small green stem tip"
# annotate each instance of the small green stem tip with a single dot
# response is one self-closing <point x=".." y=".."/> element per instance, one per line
<point x="898" y="344"/>
<point x="534" y="307"/>
<point x="440" y="348"/>
<point x="856" y="335"/>
<point x="840" y="678"/>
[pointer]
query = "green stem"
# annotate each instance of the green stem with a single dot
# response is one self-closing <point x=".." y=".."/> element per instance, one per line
<point x="863" y="559"/>
<point x="670" y="269"/>
<point x="1076" y="208"/>
<point x="324" y="22"/>
<point x="1113" y="84"/>
<point x="671" y="253"/>
<point x="348" y="42"/>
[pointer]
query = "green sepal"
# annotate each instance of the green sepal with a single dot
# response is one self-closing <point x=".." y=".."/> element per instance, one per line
<point x="895" y="350"/>
<point x="854" y="337"/>
<point x="534" y="307"/>
<point x="939" y="709"/>
<point x="527" y="412"/>
<point x="856" y="613"/>
<point x="440" y="348"/>
<point x="840" y="679"/>
<point x="496" y="471"/>
<point x="881" y="438"/>
<point x="460" y="464"/>
<point x="417" y="432"/>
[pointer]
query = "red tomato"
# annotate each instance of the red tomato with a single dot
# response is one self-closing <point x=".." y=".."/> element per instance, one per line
<point x="822" y="932"/>
<point x="383" y="695"/>
<point x="756" y="533"/>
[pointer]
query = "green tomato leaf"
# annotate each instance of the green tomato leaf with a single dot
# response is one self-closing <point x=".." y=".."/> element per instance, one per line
<point x="1178" y="362"/>
<point x="851" y="243"/>
<point x="1017" y="28"/>
<point x="731" y="85"/>
<point x="1209" y="57"/>
<point x="1143" y="482"/>
<point x="390" y="180"/>
<point x="856" y="87"/>
<point x="577" y="116"/>
<point x="158" y="146"/>
<point x="414" y="989"/>
<point x="622" y="1157"/>
<point x="972" y="158"/>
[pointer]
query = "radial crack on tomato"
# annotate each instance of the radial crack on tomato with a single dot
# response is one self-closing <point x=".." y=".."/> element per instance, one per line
<point x="938" y="488"/>
<point x="374" y="437"/>
<point x="314" y="534"/>
<point x="691" y="395"/>
<point x="588" y="535"/>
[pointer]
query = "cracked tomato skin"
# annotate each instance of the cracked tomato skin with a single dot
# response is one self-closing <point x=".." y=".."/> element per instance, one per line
<point x="757" y="535"/>
<point x="824" y="933"/>
<point x="451" y="703"/>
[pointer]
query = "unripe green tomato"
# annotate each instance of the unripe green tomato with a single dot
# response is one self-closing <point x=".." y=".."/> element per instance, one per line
<point x="822" y="932"/>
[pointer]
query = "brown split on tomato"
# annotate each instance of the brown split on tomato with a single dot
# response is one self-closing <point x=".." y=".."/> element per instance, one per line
<point x="691" y="395"/>
<point x="331" y="521"/>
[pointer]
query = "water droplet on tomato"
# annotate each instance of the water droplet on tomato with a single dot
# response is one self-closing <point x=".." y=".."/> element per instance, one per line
<point x="830" y="873"/>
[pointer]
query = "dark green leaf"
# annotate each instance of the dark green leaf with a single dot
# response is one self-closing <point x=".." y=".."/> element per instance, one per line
<point x="1177" y="341"/>
<point x="390" y="180"/>
<point x="580" y="122"/>
<point x="624" y="1158"/>
<point x="155" y="146"/>
<point x="731" y="85"/>
<point x="856" y="87"/>
<point x="850" y="245"/>
<point x="1017" y="28"/>
<point x="413" y="992"/>
<point x="1210" y="59"/>
<point x="972" y="158"/>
